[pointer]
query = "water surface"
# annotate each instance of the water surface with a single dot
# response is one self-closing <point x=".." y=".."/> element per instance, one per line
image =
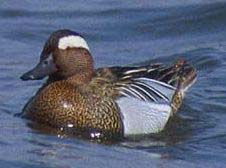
<point x="119" y="33"/>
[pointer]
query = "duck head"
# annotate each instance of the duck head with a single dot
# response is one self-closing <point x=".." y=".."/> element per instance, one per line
<point x="65" y="54"/>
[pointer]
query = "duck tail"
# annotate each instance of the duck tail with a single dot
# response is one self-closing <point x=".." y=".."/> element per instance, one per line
<point x="186" y="76"/>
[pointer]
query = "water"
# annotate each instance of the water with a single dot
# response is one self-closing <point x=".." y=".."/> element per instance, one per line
<point x="119" y="33"/>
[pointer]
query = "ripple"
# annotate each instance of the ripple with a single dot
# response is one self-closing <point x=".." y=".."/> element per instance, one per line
<point x="119" y="33"/>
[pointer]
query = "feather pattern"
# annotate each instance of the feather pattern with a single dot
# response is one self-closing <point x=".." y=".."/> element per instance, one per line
<point x="147" y="96"/>
<point x="144" y="88"/>
<point x="152" y="83"/>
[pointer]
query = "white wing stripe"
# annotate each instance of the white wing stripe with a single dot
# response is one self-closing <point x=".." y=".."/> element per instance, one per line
<point x="151" y="69"/>
<point x="155" y="81"/>
<point x="145" y="91"/>
<point x="138" y="93"/>
<point x="157" y="92"/>
<point x="133" y="93"/>
<point x="124" y="94"/>
<point x="135" y="71"/>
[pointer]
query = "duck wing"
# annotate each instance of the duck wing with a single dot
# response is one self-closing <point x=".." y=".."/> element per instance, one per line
<point x="148" y="95"/>
<point x="155" y="83"/>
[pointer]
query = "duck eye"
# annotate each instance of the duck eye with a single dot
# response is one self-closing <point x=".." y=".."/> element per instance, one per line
<point x="45" y="62"/>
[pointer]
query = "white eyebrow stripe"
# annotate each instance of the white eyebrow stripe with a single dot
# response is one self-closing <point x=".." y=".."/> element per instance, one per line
<point x="72" y="41"/>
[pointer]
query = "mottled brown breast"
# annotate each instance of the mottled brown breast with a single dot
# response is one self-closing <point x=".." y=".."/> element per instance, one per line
<point x="61" y="103"/>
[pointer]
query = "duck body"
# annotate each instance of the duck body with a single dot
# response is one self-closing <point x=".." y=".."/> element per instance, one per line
<point x="116" y="101"/>
<point x="61" y="104"/>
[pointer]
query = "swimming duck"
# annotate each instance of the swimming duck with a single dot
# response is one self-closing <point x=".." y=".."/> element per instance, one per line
<point x="121" y="101"/>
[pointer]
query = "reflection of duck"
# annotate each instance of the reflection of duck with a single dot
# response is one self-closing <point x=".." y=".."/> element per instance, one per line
<point x="115" y="100"/>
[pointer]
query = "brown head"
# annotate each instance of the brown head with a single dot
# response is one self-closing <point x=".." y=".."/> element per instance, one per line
<point x="65" y="55"/>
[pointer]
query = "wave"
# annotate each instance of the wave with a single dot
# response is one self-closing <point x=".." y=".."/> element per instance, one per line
<point x="143" y="22"/>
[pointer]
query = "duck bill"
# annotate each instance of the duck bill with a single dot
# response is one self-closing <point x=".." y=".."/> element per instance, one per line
<point x="43" y="69"/>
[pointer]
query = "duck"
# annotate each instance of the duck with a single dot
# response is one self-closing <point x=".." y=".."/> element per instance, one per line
<point x="117" y="101"/>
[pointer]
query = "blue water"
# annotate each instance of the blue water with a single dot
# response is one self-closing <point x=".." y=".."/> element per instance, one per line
<point x="118" y="33"/>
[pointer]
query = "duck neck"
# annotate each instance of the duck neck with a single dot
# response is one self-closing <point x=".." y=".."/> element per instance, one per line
<point x="81" y="78"/>
<point x="76" y="79"/>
